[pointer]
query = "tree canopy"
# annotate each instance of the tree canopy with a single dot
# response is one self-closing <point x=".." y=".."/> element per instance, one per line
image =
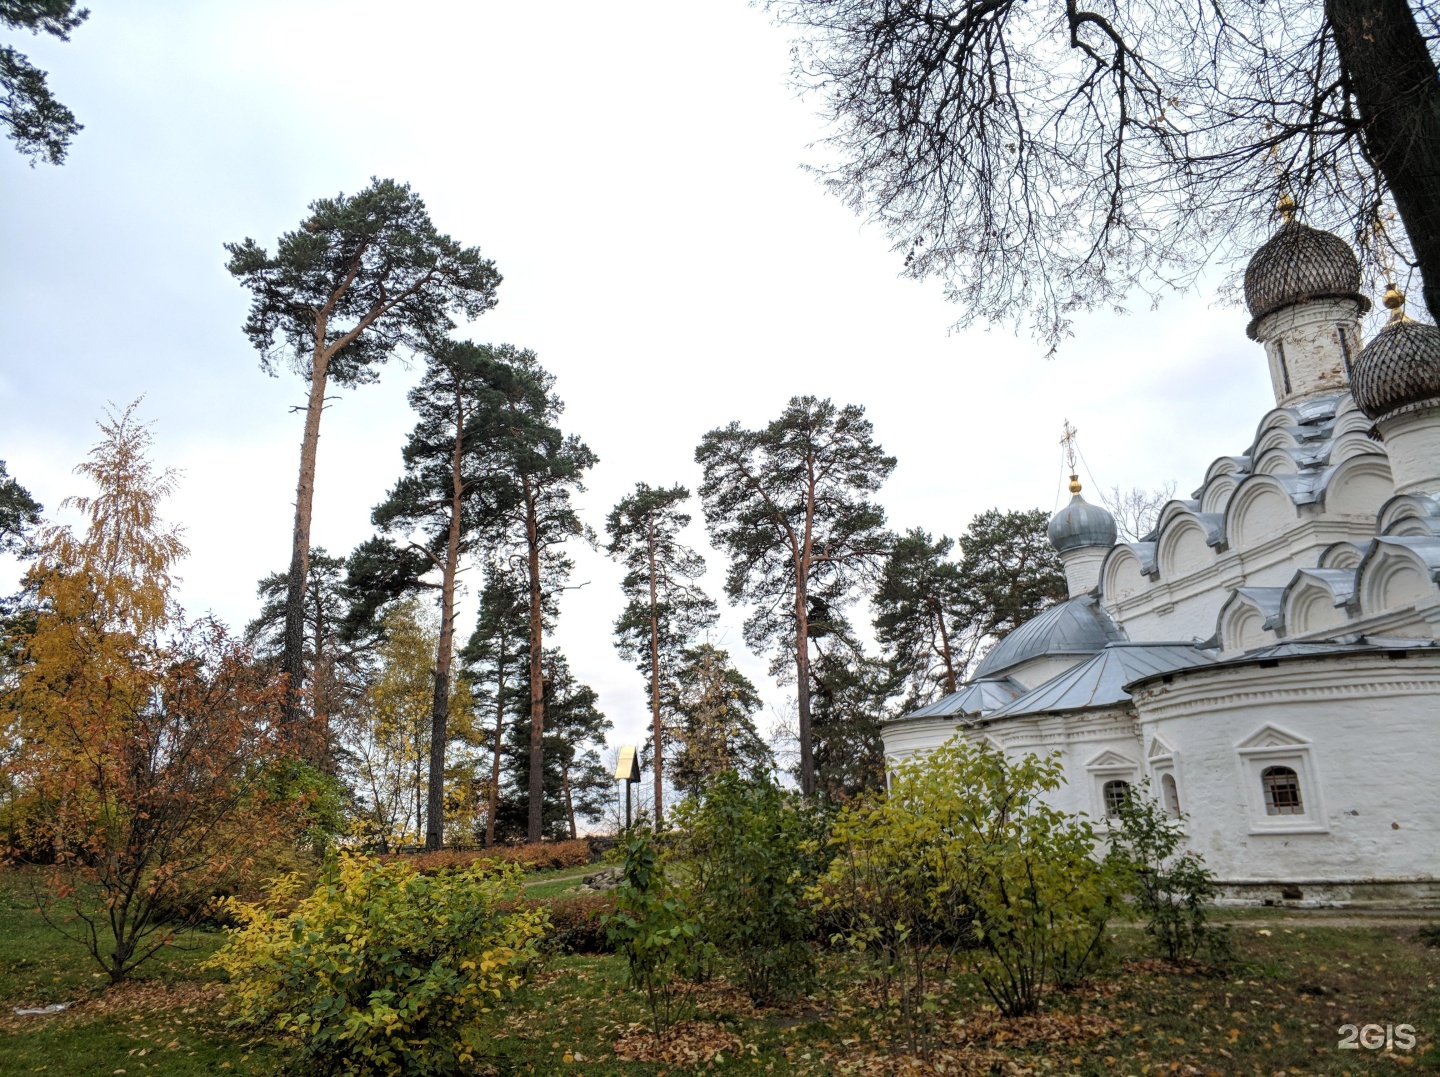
<point x="665" y="610"/>
<point x="1043" y="158"/>
<point x="792" y="506"/>
<point x="19" y="514"/>
<point x="363" y="277"/>
<point x="39" y="125"/>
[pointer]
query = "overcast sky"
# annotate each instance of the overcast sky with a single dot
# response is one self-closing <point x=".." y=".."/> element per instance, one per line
<point x="634" y="169"/>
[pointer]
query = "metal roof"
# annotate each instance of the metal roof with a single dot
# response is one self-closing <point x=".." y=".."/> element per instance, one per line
<point x="1101" y="681"/>
<point x="1074" y="627"/>
<point x="1277" y="652"/>
<point x="974" y="698"/>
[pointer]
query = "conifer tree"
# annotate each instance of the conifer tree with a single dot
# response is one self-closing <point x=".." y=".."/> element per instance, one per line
<point x="716" y="706"/>
<point x="920" y="615"/>
<point x="496" y="661"/>
<point x="791" y="505"/>
<point x="19" y="515"/>
<point x="363" y="277"/>
<point x="453" y="487"/>
<point x="335" y="661"/>
<point x="1011" y="571"/>
<point x="39" y="125"/>
<point x="666" y="608"/>
<point x="545" y="467"/>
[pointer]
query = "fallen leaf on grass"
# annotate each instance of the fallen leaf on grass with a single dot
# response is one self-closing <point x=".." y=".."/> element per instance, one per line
<point x="688" y="1043"/>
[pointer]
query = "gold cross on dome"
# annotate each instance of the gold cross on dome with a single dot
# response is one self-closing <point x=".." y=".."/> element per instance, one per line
<point x="1067" y="439"/>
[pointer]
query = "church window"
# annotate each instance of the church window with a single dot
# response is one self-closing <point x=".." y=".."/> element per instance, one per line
<point x="1170" y="795"/>
<point x="1115" y="793"/>
<point x="1344" y="346"/>
<point x="1284" y="370"/>
<point x="1282" y="791"/>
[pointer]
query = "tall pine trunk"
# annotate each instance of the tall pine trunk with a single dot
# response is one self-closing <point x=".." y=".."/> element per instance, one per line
<point x="1386" y="65"/>
<point x="499" y="738"/>
<point x="293" y="654"/>
<point x="655" y="679"/>
<point x="537" y="681"/>
<point x="802" y="680"/>
<point x="945" y="651"/>
<point x="440" y="710"/>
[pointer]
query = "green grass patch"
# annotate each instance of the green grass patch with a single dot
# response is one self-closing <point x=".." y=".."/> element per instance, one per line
<point x="1279" y="1010"/>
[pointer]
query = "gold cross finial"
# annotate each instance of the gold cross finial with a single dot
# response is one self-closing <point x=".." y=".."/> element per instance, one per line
<point x="1067" y="439"/>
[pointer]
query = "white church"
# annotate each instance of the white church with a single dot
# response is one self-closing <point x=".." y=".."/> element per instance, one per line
<point x="1269" y="655"/>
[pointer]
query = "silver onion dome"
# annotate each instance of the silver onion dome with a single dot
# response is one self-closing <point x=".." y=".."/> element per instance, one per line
<point x="1080" y="524"/>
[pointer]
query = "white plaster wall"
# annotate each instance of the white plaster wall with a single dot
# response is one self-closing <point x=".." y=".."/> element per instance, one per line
<point x="1370" y="727"/>
<point x="1412" y="442"/>
<point x="1308" y="336"/>
<point x="1037" y="671"/>
<point x="1082" y="568"/>
<point x="1094" y="747"/>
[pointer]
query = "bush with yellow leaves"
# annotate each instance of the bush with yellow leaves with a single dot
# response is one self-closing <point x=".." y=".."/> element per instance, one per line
<point x="382" y="970"/>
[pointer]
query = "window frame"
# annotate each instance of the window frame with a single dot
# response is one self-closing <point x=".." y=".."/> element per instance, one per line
<point x="1297" y="755"/>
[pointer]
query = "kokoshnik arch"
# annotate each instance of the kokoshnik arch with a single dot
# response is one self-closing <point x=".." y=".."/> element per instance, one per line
<point x="1269" y="655"/>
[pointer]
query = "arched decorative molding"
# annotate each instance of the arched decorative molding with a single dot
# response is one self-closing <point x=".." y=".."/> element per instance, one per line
<point x="1341" y="555"/>
<point x="1226" y="465"/>
<point x="1171" y="509"/>
<point x="1280" y="437"/>
<point x="1357" y="487"/>
<point x="1183" y="547"/>
<point x="1275" y="419"/>
<point x="1216" y="494"/>
<point x="1351" y="443"/>
<point x="1123" y="573"/>
<point x="1409" y="514"/>
<point x="1315" y="600"/>
<point x="1398" y="571"/>
<point x="1261" y="508"/>
<point x="1247" y="619"/>
<point x="1279" y="460"/>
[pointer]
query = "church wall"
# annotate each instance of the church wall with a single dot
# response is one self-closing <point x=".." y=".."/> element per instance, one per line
<point x="1307" y="347"/>
<point x="1095" y="747"/>
<point x="1358" y="730"/>
<point x="1037" y="671"/>
<point x="1186" y="607"/>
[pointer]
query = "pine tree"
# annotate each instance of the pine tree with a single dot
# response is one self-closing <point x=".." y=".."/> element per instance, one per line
<point x="545" y="467"/>
<point x="716" y="706"/>
<point x="1011" y="572"/>
<point x="496" y="663"/>
<point x="452" y="489"/>
<point x="666" y="610"/>
<point x="791" y="505"/>
<point x="19" y="515"/>
<point x="362" y="278"/>
<point x="921" y="616"/>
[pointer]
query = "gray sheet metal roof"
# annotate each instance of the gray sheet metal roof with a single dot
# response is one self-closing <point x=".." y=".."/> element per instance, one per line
<point x="1277" y="652"/>
<point x="1101" y="681"/>
<point x="975" y="698"/>
<point x="1074" y="627"/>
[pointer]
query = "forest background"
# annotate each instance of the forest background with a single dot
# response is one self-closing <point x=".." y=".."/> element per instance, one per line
<point x="663" y="254"/>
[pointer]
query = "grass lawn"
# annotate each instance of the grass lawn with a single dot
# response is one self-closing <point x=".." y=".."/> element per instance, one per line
<point x="1278" y="1011"/>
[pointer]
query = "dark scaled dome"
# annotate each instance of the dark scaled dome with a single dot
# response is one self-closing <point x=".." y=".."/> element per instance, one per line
<point x="1398" y="368"/>
<point x="1080" y="524"/>
<point x="1299" y="263"/>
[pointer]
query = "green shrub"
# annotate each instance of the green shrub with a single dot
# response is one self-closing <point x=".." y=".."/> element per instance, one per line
<point x="381" y="970"/>
<point x="652" y="928"/>
<point x="963" y="855"/>
<point x="577" y="924"/>
<point x="750" y="853"/>
<point x="1171" y="890"/>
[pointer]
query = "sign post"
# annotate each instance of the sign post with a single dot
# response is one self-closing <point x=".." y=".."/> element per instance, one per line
<point x="627" y="770"/>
